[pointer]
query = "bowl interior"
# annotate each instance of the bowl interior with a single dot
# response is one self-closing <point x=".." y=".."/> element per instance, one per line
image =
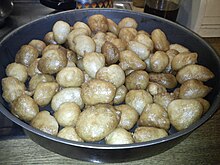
<point x="175" y="33"/>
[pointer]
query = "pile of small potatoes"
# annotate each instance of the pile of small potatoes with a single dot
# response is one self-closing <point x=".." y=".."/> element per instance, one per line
<point x="103" y="80"/>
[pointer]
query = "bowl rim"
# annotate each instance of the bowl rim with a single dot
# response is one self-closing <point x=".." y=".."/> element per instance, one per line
<point x="213" y="108"/>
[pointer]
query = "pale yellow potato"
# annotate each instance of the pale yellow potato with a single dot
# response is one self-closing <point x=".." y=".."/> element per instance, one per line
<point x="194" y="71"/>
<point x="192" y="89"/>
<point x="184" y="112"/>
<point x="44" y="92"/>
<point x="79" y="64"/>
<point x="130" y="60"/>
<point x="145" y="40"/>
<point x="137" y="80"/>
<point x="127" y="34"/>
<point x="61" y="30"/>
<point x="69" y="133"/>
<point x="120" y="95"/>
<point x="70" y="77"/>
<point x="96" y="122"/>
<point x="33" y="68"/>
<point x="143" y="32"/>
<point x="138" y="99"/>
<point x="183" y="59"/>
<point x="45" y="122"/>
<point x="111" y="53"/>
<point x="71" y="56"/>
<point x="82" y="25"/>
<point x="67" y="114"/>
<point x="110" y="36"/>
<point x="12" y="88"/>
<point x="67" y="95"/>
<point x="164" y="99"/>
<point x="25" y="108"/>
<point x="155" y="88"/>
<point x="144" y="134"/>
<point x="113" y="74"/>
<point x="179" y="48"/>
<point x="98" y="22"/>
<point x="119" y="43"/>
<point x="26" y="55"/>
<point x="159" y="61"/>
<point x="128" y="22"/>
<point x="98" y="91"/>
<point x="154" y="115"/>
<point x="166" y="79"/>
<point x="112" y="26"/>
<point x="205" y="103"/>
<point x="148" y="63"/>
<point x="38" y="78"/>
<point x="171" y="53"/>
<point x="17" y="70"/>
<point x="54" y="47"/>
<point x="119" y="136"/>
<point x="160" y="40"/>
<point x="99" y="39"/>
<point x="49" y="38"/>
<point x="138" y="48"/>
<point x="92" y="62"/>
<point x="129" y="116"/>
<point x="38" y="44"/>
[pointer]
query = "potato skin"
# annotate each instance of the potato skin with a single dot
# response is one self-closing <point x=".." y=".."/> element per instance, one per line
<point x="160" y="40"/>
<point x="98" y="91"/>
<point x="69" y="133"/>
<point x="127" y="22"/>
<point x="112" y="26"/>
<point x="184" y="112"/>
<point x="127" y="34"/>
<point x="140" y="49"/>
<point x="18" y="71"/>
<point x="38" y="44"/>
<point x="96" y="122"/>
<point x="61" y="30"/>
<point x="120" y="95"/>
<point x="98" y="23"/>
<point x="158" y="61"/>
<point x="164" y="99"/>
<point x="155" y="88"/>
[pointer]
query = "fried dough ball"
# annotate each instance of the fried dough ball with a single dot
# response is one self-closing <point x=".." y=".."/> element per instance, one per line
<point x="96" y="122"/>
<point x="45" y="122"/>
<point x="38" y="78"/>
<point x="44" y="92"/>
<point x="127" y="34"/>
<point x="49" y="38"/>
<point x="164" y="99"/>
<point x="120" y="95"/>
<point x="38" y="44"/>
<point x="184" y="112"/>
<point x="92" y="62"/>
<point x="158" y="61"/>
<point x="24" y="107"/>
<point x="61" y="30"/>
<point x="67" y="114"/>
<point x="70" y="77"/>
<point x="113" y="74"/>
<point x="130" y="60"/>
<point x="137" y="80"/>
<point x="129" y="116"/>
<point x="67" y="95"/>
<point x="33" y="68"/>
<point x="111" y="53"/>
<point x="138" y="99"/>
<point x="154" y="115"/>
<point x="112" y="26"/>
<point x="119" y="136"/>
<point x="18" y="71"/>
<point x="52" y="61"/>
<point x="82" y="25"/>
<point x="97" y="91"/>
<point x="155" y="88"/>
<point x="145" y="40"/>
<point x="138" y="48"/>
<point x="128" y="22"/>
<point x="98" y="23"/>
<point x="160" y="40"/>
<point x="144" y="134"/>
<point x="26" y="55"/>
<point x="12" y="88"/>
<point x="69" y="133"/>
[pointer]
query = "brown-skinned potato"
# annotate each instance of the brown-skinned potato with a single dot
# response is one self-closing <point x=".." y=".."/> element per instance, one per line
<point x="159" y="61"/>
<point x="120" y="95"/>
<point x="98" y="23"/>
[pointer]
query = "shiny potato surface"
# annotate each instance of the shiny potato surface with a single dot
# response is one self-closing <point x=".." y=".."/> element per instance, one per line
<point x="69" y="133"/>
<point x="120" y="95"/>
<point x="18" y="71"/>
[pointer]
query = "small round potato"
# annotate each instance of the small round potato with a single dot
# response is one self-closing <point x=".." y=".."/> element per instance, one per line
<point x="141" y="50"/>
<point x="110" y="36"/>
<point x="138" y="99"/>
<point x="154" y="115"/>
<point x="164" y="99"/>
<point x="113" y="74"/>
<point x="127" y="34"/>
<point x="143" y="134"/>
<point x="82" y="25"/>
<point x="192" y="89"/>
<point x="69" y="133"/>
<point x="38" y="44"/>
<point x="120" y="95"/>
<point x="67" y="114"/>
<point x="129" y="116"/>
<point x="70" y="77"/>
<point x="158" y="61"/>
<point x="96" y="122"/>
<point x="111" y="53"/>
<point x="179" y="48"/>
<point x="33" y="68"/>
<point x="145" y="40"/>
<point x="92" y="62"/>
<point x="54" y="47"/>
<point x="155" y="88"/>
<point x="112" y="27"/>
<point x="45" y="122"/>
<point x="194" y="71"/>
<point x="18" y="71"/>
<point x="99" y="39"/>
<point x="12" y="88"/>
<point x="49" y="38"/>
<point x="44" y="92"/>
<point x="160" y="40"/>
<point x="38" y="78"/>
<point x="98" y="23"/>
<point x="61" y="30"/>
<point x="171" y="53"/>
<point x="97" y="91"/>
<point x="147" y="62"/>
<point x="24" y="107"/>
<point x="26" y="55"/>
<point x="204" y="103"/>
<point x="137" y="80"/>
<point x="119" y="136"/>
<point x="130" y="60"/>
<point x="127" y="22"/>
<point x="184" y="112"/>
<point x="119" y="43"/>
